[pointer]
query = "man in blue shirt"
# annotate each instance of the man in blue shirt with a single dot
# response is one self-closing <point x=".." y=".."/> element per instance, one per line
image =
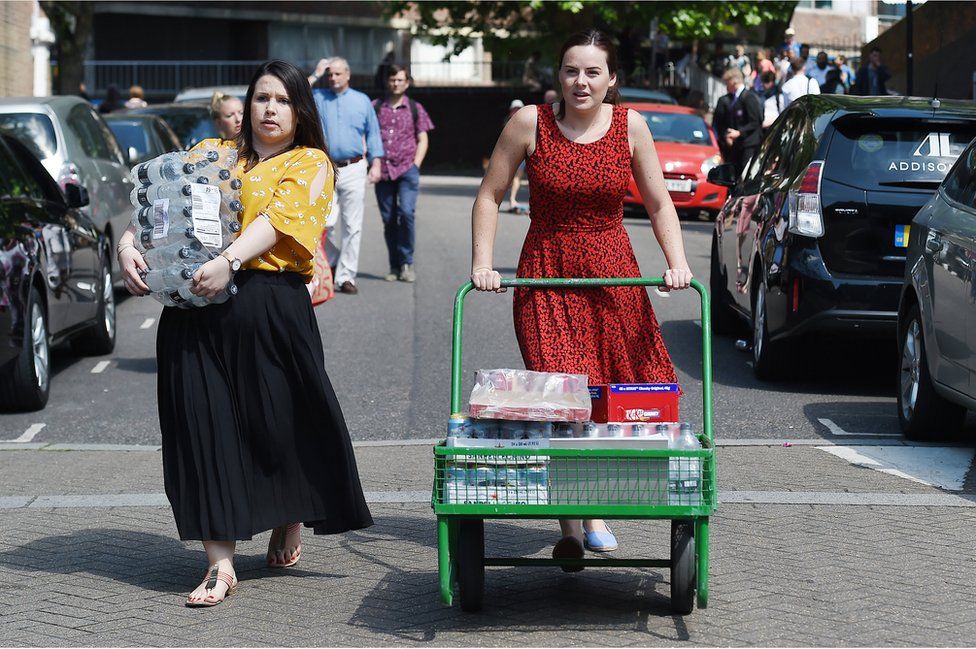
<point x="352" y="134"/>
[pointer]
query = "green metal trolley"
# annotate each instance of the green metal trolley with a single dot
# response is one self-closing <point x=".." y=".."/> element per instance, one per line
<point x="553" y="483"/>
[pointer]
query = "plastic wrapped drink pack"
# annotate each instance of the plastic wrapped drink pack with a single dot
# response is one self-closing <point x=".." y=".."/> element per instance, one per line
<point x="530" y="396"/>
<point x="186" y="208"/>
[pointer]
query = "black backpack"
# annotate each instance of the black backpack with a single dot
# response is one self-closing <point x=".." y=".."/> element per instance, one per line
<point x="411" y="104"/>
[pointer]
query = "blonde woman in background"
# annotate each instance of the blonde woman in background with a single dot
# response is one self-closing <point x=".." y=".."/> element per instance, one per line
<point x="136" y="98"/>
<point x="227" y="112"/>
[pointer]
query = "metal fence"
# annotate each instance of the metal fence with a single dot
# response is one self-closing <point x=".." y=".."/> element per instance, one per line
<point x="167" y="78"/>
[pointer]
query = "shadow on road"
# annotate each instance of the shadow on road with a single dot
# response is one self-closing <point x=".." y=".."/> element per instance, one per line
<point x="555" y="599"/>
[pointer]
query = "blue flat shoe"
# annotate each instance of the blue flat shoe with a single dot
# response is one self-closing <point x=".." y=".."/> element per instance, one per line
<point x="600" y="541"/>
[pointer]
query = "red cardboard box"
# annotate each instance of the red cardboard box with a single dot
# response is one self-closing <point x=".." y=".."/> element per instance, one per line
<point x="621" y="402"/>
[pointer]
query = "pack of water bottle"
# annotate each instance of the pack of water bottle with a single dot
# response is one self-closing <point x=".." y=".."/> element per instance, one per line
<point x="186" y="211"/>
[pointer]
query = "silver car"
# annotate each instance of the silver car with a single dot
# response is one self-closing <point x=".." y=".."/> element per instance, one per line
<point x="76" y="147"/>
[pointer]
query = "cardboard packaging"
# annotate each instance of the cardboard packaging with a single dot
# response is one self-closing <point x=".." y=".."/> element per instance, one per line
<point x="621" y="402"/>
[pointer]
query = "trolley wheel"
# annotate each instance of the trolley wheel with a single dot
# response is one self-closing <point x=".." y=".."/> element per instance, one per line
<point x="471" y="563"/>
<point x="682" y="566"/>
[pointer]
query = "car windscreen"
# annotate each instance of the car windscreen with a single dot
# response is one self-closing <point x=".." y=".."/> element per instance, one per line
<point x="34" y="130"/>
<point x="190" y="126"/>
<point x="677" y="127"/>
<point x="131" y="134"/>
<point x="878" y="153"/>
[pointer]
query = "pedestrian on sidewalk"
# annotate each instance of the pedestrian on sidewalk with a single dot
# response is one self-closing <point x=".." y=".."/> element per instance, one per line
<point x="404" y="124"/>
<point x="738" y="121"/>
<point x="136" y="98"/>
<point x="799" y="84"/>
<point x="610" y="334"/>
<point x="253" y="436"/>
<point x="348" y="120"/>
<point x="873" y="76"/>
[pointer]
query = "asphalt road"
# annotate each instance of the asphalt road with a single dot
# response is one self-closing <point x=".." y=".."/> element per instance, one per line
<point x="388" y="350"/>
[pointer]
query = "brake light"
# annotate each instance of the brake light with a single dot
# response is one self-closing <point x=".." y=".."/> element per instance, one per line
<point x="806" y="216"/>
<point x="796" y="294"/>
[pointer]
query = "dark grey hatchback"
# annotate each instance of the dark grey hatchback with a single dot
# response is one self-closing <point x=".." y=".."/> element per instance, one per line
<point x="936" y="317"/>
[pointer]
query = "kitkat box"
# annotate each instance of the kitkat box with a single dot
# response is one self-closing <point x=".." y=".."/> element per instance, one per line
<point x="620" y="402"/>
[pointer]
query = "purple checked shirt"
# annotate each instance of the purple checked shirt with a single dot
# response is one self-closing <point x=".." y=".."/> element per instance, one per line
<point x="400" y="137"/>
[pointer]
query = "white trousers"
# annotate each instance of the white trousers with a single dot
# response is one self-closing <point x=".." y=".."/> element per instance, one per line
<point x="342" y="244"/>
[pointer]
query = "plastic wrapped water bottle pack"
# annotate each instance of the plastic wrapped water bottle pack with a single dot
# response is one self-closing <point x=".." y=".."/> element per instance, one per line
<point x="186" y="209"/>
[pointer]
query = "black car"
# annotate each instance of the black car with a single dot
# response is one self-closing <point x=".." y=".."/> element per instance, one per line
<point x="936" y="319"/>
<point x="143" y="136"/>
<point x="812" y="239"/>
<point x="55" y="277"/>
<point x="191" y="122"/>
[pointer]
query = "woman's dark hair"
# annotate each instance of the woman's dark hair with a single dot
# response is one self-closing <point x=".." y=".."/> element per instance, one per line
<point x="308" y="128"/>
<point x="599" y="39"/>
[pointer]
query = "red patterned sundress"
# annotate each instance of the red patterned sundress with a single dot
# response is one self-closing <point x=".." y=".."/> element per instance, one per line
<point x="576" y="198"/>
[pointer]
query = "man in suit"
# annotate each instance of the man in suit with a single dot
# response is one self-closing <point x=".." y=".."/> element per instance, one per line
<point x="873" y="76"/>
<point x="738" y="121"/>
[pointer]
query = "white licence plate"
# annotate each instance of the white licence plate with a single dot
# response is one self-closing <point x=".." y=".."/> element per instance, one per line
<point x="677" y="185"/>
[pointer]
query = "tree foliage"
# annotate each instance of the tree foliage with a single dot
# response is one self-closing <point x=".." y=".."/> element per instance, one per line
<point x="71" y="22"/>
<point x="458" y="23"/>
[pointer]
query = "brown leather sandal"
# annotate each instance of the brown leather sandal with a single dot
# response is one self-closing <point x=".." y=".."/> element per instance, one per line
<point x="277" y="544"/>
<point x="214" y="575"/>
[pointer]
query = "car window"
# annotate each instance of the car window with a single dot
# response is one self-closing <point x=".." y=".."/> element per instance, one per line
<point x="17" y="182"/>
<point x="35" y="130"/>
<point x="960" y="184"/>
<point x="109" y="148"/>
<point x="677" y="127"/>
<point x="778" y="162"/>
<point x="80" y="125"/>
<point x="191" y="126"/>
<point x="166" y="137"/>
<point x="876" y="153"/>
<point x="131" y="133"/>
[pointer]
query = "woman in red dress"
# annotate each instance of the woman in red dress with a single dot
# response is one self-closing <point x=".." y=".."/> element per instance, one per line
<point x="580" y="154"/>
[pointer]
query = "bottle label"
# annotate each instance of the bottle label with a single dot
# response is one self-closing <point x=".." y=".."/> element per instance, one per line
<point x="206" y="214"/>
<point x="160" y="216"/>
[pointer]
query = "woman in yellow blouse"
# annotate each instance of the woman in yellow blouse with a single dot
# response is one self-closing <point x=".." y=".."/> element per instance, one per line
<point x="253" y="436"/>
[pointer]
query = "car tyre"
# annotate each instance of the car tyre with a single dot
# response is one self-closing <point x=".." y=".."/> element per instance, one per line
<point x="25" y="383"/>
<point x="724" y="319"/>
<point x="922" y="412"/>
<point x="100" y="338"/>
<point x="770" y="359"/>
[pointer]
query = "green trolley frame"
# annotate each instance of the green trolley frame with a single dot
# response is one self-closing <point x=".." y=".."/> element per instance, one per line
<point x="626" y="483"/>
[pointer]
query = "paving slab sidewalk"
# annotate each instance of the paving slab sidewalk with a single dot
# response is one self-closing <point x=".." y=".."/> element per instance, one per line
<point x="781" y="574"/>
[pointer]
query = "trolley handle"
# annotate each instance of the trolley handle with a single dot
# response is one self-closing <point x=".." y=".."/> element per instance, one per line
<point x="706" y="322"/>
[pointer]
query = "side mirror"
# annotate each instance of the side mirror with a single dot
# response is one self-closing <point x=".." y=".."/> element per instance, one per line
<point x="723" y="175"/>
<point x="76" y="195"/>
<point x="133" y="155"/>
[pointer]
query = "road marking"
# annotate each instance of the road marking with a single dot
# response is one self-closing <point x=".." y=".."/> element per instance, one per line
<point x="28" y="435"/>
<point x="937" y="466"/>
<point x="837" y="430"/>
<point x="148" y="322"/>
<point x="100" y="367"/>
<point x="823" y="498"/>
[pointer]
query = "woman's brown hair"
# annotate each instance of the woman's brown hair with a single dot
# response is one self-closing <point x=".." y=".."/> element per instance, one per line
<point x="598" y="39"/>
<point x="308" y="128"/>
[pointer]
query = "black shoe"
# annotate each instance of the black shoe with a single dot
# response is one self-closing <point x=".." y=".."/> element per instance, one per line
<point x="348" y="287"/>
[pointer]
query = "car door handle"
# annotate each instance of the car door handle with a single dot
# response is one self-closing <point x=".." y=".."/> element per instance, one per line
<point x="933" y="243"/>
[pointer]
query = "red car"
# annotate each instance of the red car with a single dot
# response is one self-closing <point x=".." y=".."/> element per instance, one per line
<point x="687" y="149"/>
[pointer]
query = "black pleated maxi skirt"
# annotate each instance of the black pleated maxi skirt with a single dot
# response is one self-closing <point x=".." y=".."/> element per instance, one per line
<point x="253" y="436"/>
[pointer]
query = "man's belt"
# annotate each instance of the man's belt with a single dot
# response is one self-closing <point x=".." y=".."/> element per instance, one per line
<point x="346" y="163"/>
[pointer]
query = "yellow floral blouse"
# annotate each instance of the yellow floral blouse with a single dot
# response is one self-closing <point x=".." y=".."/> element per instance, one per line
<point x="279" y="188"/>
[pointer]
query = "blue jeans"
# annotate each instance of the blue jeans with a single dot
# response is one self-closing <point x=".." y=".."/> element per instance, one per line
<point x="397" y="200"/>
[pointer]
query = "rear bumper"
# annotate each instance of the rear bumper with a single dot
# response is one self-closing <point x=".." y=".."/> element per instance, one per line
<point x="841" y="305"/>
<point x="703" y="196"/>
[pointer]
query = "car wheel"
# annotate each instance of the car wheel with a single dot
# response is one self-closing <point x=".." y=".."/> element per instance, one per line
<point x="28" y="385"/>
<point x="769" y="358"/>
<point x="922" y="412"/>
<point x="100" y="338"/>
<point x="724" y="319"/>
